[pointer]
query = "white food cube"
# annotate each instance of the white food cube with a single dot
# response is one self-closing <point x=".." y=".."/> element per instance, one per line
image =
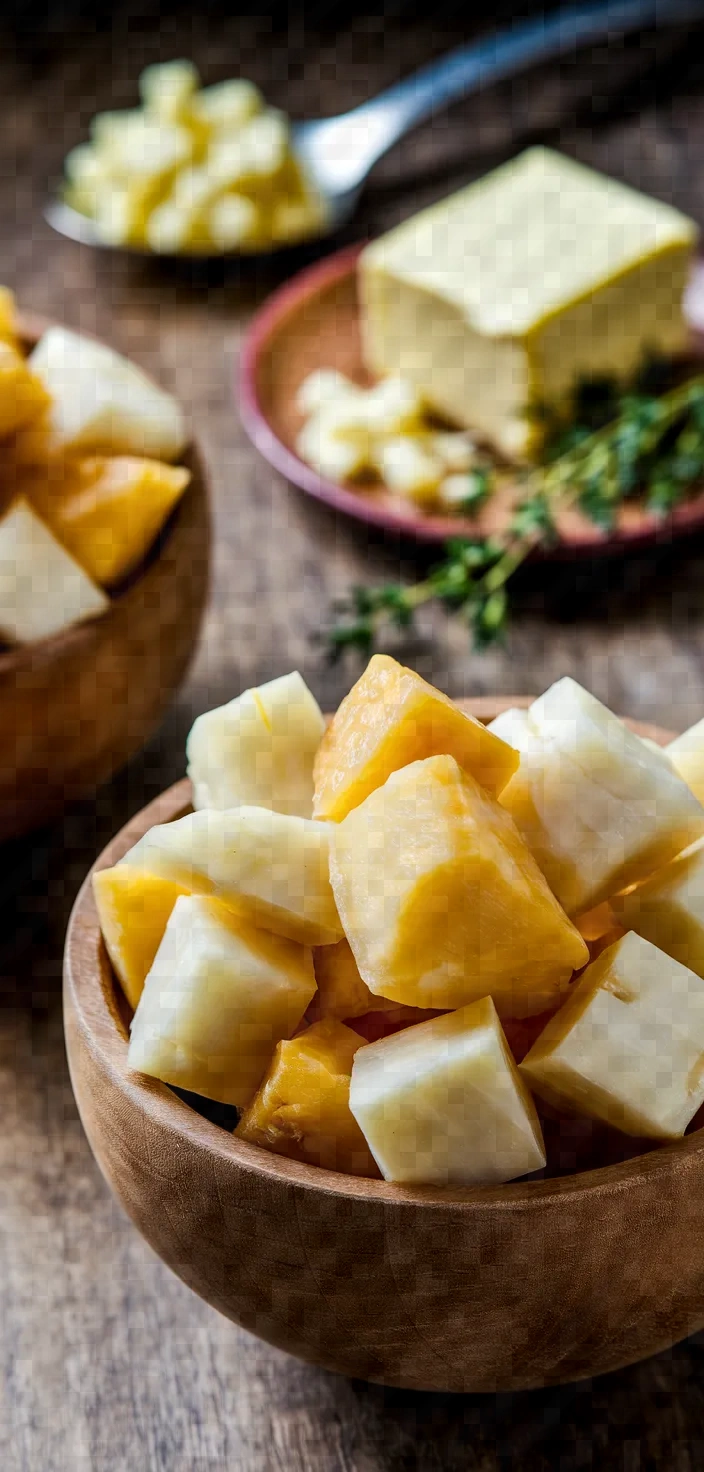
<point x="336" y="455"/>
<point x="442" y="1103"/>
<point x="194" y="187"/>
<point x="393" y="406"/>
<point x="324" y="388"/>
<point x="686" y="753"/>
<point x="227" y="106"/>
<point x="120" y="212"/>
<point x="515" y="727"/>
<point x="271" y="868"/>
<point x="219" y="997"/>
<point x="407" y="466"/>
<point x="252" y="157"/>
<point x="597" y="808"/>
<point x="102" y="402"/>
<point x="258" y="749"/>
<point x="233" y="221"/>
<point x="456" y="451"/>
<point x="669" y="908"/>
<point x="87" y="175"/>
<point x="628" y="1046"/>
<point x="42" y="589"/>
<point x="167" y="88"/>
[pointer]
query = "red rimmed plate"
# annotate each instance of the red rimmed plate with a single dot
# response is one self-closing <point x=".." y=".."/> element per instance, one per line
<point x="313" y="322"/>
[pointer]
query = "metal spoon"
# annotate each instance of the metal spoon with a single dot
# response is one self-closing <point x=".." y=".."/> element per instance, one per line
<point x="338" y="153"/>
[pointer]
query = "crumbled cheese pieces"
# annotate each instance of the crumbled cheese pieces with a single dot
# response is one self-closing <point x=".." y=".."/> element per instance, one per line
<point x="193" y="171"/>
<point x="351" y="432"/>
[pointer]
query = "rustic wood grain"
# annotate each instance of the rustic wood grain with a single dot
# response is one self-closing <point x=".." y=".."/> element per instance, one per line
<point x="107" y="1362"/>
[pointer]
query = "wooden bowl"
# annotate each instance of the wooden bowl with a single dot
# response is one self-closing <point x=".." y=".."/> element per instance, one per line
<point x="499" y="1288"/>
<point x="75" y="707"/>
<point x="313" y="322"/>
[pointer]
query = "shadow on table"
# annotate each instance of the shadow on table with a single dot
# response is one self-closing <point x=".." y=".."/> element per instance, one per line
<point x="650" y="1416"/>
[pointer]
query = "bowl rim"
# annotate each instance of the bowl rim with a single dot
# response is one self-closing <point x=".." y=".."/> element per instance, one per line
<point x="30" y="327"/>
<point x="91" y="988"/>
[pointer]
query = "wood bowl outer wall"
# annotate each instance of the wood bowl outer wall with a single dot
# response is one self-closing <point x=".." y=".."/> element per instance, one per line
<point x="493" y="1289"/>
<point x="75" y="707"/>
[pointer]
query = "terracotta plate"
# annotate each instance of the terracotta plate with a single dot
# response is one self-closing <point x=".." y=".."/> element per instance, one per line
<point x="313" y="322"/>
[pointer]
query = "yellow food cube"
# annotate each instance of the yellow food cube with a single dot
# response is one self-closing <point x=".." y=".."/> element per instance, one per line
<point x="442" y="1103"/>
<point x="628" y="1046"/>
<point x="441" y="901"/>
<point x="234" y="222"/>
<point x="392" y="717"/>
<point x="133" y="909"/>
<point x="108" y="511"/>
<point x="218" y="998"/>
<point x="168" y="88"/>
<point x="8" y="317"/>
<point x="302" y="1107"/>
<point x="341" y="992"/>
<point x="227" y="106"/>
<point x="23" y="396"/>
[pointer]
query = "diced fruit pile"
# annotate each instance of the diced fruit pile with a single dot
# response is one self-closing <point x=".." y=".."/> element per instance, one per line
<point x="383" y="941"/>
<point x="386" y="432"/>
<point x="85" y="483"/>
<point x="193" y="170"/>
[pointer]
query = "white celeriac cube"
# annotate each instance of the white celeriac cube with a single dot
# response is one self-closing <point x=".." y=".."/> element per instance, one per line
<point x="271" y="868"/>
<point x="598" y="809"/>
<point x="686" y="753"/>
<point x="219" y="996"/>
<point x="170" y="228"/>
<point x="259" y="749"/>
<point x="102" y="402"/>
<point x="442" y="1103"/>
<point x="514" y="726"/>
<point x="456" y="451"/>
<point x="42" y="588"/>
<point x="668" y="909"/>
<point x="628" y="1046"/>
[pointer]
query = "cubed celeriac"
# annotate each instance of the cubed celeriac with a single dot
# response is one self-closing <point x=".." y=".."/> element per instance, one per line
<point x="598" y="808"/>
<point x="258" y="749"/>
<point x="218" y="998"/>
<point x="133" y="909"/>
<point x="42" y="588"/>
<point x="102" y="402"/>
<point x="341" y="992"/>
<point x="271" y="868"/>
<point x="302" y="1107"/>
<point x="226" y="106"/>
<point x="107" y="510"/>
<point x="167" y="89"/>
<point x="668" y="909"/>
<point x="23" y="396"/>
<point x="391" y="717"/>
<point x="686" y="753"/>
<point x="441" y="901"/>
<point x="442" y="1103"/>
<point x="508" y="292"/>
<point x="628" y="1046"/>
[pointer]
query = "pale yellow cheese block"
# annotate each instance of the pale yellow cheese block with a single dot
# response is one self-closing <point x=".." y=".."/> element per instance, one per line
<point x="509" y="291"/>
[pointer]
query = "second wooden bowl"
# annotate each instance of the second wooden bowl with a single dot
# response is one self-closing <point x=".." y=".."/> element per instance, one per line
<point x="492" y="1289"/>
<point x="74" y="708"/>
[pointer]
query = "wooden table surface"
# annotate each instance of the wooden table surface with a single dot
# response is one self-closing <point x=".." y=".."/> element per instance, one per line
<point x="106" y="1360"/>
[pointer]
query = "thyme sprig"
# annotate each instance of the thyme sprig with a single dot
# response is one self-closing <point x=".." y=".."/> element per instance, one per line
<point x="651" y="447"/>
